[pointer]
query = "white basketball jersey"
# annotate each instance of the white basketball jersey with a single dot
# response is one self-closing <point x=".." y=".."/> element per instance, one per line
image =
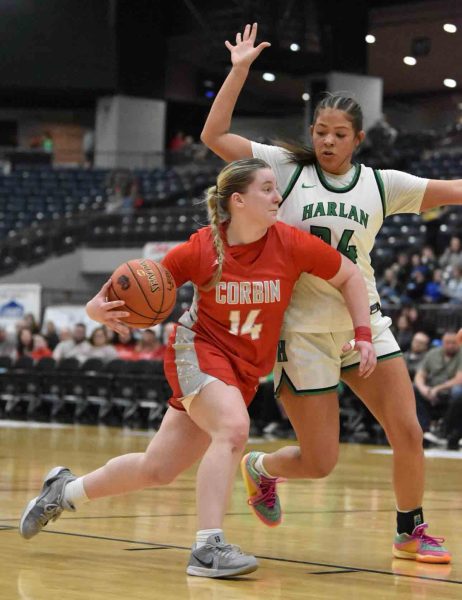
<point x="348" y="217"/>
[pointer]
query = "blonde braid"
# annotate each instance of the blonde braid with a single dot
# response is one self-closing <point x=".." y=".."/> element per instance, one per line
<point x="215" y="218"/>
<point x="234" y="177"/>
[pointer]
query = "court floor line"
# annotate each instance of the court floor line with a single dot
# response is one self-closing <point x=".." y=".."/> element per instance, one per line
<point x="240" y="514"/>
<point x="157" y="546"/>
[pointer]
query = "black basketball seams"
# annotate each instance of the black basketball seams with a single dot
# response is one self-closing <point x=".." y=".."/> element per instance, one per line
<point x="141" y="289"/>
<point x="128" y="307"/>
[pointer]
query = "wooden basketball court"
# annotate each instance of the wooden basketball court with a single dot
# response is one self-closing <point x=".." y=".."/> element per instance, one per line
<point x="334" y="543"/>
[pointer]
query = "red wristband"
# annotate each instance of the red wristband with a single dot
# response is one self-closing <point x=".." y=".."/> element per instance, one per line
<point x="363" y="334"/>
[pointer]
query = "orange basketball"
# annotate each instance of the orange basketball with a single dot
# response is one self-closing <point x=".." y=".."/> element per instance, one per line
<point x="148" y="289"/>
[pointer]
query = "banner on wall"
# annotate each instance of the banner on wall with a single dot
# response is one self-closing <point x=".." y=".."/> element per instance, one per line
<point x="17" y="300"/>
<point x="65" y="316"/>
<point x="157" y="250"/>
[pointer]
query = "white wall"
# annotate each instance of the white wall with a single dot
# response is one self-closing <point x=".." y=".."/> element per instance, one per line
<point x="130" y="132"/>
<point x="58" y="272"/>
<point x="368" y="91"/>
<point x="257" y="127"/>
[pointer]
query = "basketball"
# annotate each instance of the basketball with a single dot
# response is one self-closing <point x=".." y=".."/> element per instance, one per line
<point x="148" y="289"/>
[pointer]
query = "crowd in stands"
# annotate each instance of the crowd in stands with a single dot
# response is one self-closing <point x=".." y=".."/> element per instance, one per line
<point x="102" y="343"/>
<point x="424" y="278"/>
<point x="422" y="271"/>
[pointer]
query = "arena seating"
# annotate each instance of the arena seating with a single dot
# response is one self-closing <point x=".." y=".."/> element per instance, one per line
<point x="119" y="392"/>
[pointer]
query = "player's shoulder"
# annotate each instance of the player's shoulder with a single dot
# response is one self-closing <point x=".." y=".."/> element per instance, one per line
<point x="289" y="233"/>
<point x="201" y="235"/>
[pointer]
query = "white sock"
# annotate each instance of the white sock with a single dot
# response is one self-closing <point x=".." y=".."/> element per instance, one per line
<point x="260" y="467"/>
<point x="203" y="535"/>
<point x="74" y="493"/>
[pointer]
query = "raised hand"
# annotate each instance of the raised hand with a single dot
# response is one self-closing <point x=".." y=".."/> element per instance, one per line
<point x="102" y="311"/>
<point x="245" y="52"/>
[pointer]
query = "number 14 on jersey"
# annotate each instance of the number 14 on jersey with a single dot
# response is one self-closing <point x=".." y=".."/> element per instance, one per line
<point x="249" y="327"/>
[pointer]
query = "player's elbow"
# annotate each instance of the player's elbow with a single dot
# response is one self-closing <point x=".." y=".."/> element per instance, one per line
<point x="207" y="138"/>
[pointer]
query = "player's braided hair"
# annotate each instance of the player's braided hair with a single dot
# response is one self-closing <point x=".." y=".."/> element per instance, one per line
<point x="304" y="155"/>
<point x="235" y="177"/>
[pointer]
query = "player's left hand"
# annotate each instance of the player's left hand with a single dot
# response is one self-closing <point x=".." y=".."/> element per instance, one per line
<point x="368" y="358"/>
<point x="102" y="311"/>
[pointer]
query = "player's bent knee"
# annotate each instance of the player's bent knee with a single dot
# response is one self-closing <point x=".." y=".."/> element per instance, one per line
<point x="409" y="435"/>
<point x="234" y="434"/>
<point x="320" y="469"/>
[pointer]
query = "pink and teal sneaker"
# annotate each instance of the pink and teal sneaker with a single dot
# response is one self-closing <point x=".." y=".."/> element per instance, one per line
<point x="261" y="490"/>
<point x="421" y="547"/>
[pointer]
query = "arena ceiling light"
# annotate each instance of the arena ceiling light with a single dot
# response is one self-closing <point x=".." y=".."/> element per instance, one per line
<point x="450" y="28"/>
<point x="370" y="39"/>
<point x="409" y="60"/>
<point x="450" y="83"/>
<point x="269" y="76"/>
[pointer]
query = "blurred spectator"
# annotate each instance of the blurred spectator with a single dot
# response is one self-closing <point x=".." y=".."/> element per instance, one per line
<point x="403" y="332"/>
<point x="452" y="256"/>
<point x="453" y="287"/>
<point x="149" y="347"/>
<point x="25" y="342"/>
<point x="433" y="289"/>
<point x="88" y="147"/>
<point x="64" y="334"/>
<point x="31" y="323"/>
<point x="177" y="141"/>
<point x="383" y="134"/>
<point x="402" y="268"/>
<point x="40" y="347"/>
<point x="438" y="383"/>
<point x="47" y="142"/>
<point x="7" y="343"/>
<point x="416" y="287"/>
<point x="433" y="218"/>
<point x="122" y="191"/>
<point x="416" y="353"/>
<point x="418" y="322"/>
<point x="110" y="334"/>
<point x="429" y="259"/>
<point x="76" y="347"/>
<point x="100" y="347"/>
<point x="124" y="343"/>
<point x="387" y="287"/>
<point x="51" y="335"/>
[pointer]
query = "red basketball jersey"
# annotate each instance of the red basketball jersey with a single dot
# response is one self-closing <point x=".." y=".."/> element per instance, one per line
<point x="238" y="321"/>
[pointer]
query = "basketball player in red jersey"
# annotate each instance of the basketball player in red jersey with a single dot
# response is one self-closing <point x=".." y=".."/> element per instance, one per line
<point x="244" y="266"/>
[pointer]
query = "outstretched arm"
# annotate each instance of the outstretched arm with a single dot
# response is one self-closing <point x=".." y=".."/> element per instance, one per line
<point x="215" y="133"/>
<point x="441" y="193"/>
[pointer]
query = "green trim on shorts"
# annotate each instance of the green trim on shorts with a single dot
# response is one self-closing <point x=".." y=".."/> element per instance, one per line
<point x="285" y="377"/>
<point x="383" y="357"/>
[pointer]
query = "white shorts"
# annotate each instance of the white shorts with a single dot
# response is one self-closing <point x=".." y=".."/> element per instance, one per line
<point x="312" y="363"/>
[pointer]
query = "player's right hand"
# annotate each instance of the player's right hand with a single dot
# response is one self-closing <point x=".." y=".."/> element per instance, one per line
<point x="244" y="52"/>
<point x="102" y="311"/>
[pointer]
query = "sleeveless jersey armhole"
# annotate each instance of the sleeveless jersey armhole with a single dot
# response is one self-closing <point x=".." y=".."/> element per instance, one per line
<point x="293" y="180"/>
<point x="379" y="180"/>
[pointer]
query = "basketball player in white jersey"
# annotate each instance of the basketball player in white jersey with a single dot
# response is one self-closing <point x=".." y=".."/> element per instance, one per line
<point x="344" y="204"/>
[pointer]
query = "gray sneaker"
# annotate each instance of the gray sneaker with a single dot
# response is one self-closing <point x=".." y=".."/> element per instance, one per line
<point x="218" y="559"/>
<point x="49" y="505"/>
